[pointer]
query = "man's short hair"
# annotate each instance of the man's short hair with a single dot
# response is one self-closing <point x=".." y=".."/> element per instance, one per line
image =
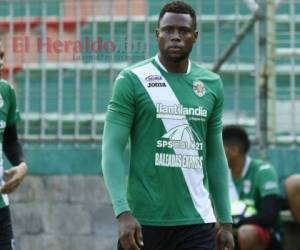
<point x="180" y="8"/>
<point x="236" y="135"/>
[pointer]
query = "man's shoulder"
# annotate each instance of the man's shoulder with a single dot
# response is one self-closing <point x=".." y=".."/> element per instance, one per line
<point x="130" y="68"/>
<point x="266" y="177"/>
<point x="204" y="73"/>
<point x="127" y="74"/>
<point x="260" y="165"/>
<point x="4" y="82"/>
<point x="6" y="86"/>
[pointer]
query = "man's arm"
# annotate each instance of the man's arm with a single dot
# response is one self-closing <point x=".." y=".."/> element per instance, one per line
<point x="267" y="215"/>
<point x="14" y="153"/>
<point x="216" y="162"/>
<point x="11" y="146"/>
<point x="115" y="138"/>
<point x="217" y="171"/>
<point x="119" y="120"/>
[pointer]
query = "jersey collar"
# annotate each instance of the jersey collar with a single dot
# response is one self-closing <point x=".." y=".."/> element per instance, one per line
<point x="246" y="166"/>
<point x="164" y="68"/>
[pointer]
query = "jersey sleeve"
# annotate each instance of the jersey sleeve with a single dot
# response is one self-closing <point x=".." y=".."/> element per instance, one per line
<point x="114" y="141"/>
<point x="218" y="178"/>
<point x="13" y="112"/>
<point x="215" y="121"/>
<point x="267" y="180"/>
<point x="121" y="106"/>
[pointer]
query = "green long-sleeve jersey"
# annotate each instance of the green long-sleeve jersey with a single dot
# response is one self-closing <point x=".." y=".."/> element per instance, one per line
<point x="171" y="119"/>
<point x="9" y="115"/>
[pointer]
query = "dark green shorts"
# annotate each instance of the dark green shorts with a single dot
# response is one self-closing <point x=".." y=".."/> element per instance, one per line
<point x="6" y="233"/>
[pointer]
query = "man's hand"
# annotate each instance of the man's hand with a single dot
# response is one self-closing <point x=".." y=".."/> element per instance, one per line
<point x="15" y="176"/>
<point x="130" y="232"/>
<point x="225" y="239"/>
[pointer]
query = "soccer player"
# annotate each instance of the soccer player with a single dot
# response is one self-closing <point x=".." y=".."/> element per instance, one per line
<point x="254" y="180"/>
<point x="11" y="147"/>
<point x="171" y="108"/>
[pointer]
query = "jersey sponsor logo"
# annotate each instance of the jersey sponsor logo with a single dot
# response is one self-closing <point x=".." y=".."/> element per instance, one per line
<point x="155" y="81"/>
<point x="1" y="101"/>
<point x="199" y="88"/>
<point x="270" y="185"/>
<point x="178" y="111"/>
<point x="179" y="138"/>
<point x="178" y="161"/>
<point x="156" y="84"/>
<point x="153" y="78"/>
<point x="174" y="139"/>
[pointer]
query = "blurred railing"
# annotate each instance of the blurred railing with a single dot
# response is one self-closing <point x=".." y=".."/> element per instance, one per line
<point x="64" y="55"/>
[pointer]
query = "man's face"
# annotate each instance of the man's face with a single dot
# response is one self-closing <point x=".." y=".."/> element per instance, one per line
<point x="231" y="152"/>
<point x="1" y="58"/>
<point x="176" y="36"/>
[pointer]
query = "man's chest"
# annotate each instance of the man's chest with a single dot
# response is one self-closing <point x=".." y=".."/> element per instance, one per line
<point x="167" y="98"/>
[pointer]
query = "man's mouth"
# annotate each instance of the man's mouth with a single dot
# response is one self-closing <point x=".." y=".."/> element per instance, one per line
<point x="174" y="49"/>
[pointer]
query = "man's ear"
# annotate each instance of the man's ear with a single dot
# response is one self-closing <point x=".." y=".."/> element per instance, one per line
<point x="196" y="34"/>
<point x="157" y="32"/>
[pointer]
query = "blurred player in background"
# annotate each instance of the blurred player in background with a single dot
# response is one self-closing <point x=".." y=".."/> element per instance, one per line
<point x="252" y="180"/>
<point x="12" y="149"/>
<point x="171" y="108"/>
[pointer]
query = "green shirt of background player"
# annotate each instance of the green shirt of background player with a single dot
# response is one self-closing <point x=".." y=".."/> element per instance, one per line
<point x="11" y="147"/>
<point x="252" y="180"/>
<point x="171" y="109"/>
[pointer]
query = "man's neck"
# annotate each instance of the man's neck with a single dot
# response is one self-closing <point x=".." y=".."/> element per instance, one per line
<point x="174" y="67"/>
<point x="237" y="167"/>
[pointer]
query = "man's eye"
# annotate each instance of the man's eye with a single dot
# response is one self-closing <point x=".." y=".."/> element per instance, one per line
<point x="168" y="30"/>
<point x="183" y="31"/>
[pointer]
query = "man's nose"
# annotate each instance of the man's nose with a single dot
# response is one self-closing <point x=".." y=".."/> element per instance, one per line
<point x="175" y="35"/>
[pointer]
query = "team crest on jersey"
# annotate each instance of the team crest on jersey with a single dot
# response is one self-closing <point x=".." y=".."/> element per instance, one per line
<point x="246" y="186"/>
<point x="199" y="88"/>
<point x="1" y="101"/>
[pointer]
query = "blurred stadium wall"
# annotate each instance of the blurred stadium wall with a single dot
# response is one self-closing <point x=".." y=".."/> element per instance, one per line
<point x="63" y="55"/>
